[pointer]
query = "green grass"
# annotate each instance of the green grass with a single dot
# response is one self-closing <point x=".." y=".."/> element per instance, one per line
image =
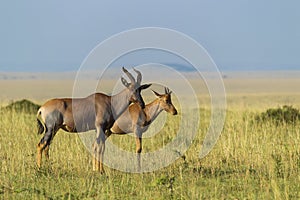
<point x="250" y="161"/>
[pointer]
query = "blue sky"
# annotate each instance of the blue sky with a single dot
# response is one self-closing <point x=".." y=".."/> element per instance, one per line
<point x="238" y="34"/>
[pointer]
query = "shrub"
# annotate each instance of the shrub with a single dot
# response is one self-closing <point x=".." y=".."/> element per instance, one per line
<point x="24" y="106"/>
<point x="286" y="114"/>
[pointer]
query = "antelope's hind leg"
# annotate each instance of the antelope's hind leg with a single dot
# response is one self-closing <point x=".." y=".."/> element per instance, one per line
<point x="96" y="156"/>
<point x="46" y="152"/>
<point x="44" y="145"/>
<point x="53" y="122"/>
<point x="40" y="147"/>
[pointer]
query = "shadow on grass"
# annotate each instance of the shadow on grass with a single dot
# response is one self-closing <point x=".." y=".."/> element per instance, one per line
<point x="212" y="172"/>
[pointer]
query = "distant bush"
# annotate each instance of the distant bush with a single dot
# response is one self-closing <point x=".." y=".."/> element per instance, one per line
<point x="285" y="114"/>
<point x="24" y="106"/>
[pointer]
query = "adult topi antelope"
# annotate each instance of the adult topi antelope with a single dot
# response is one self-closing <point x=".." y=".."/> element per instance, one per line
<point x="138" y="120"/>
<point x="95" y="112"/>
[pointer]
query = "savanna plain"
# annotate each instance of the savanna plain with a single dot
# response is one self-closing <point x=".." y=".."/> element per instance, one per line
<point x="251" y="160"/>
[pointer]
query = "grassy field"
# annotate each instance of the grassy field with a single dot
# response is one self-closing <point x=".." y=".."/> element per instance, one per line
<point x="250" y="160"/>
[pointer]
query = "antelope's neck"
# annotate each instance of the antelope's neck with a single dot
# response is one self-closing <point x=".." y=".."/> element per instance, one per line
<point x="120" y="102"/>
<point x="152" y="110"/>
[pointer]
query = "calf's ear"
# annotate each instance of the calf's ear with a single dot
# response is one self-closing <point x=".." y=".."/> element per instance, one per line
<point x="157" y="94"/>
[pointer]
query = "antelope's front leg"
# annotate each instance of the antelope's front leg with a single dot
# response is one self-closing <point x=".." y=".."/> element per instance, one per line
<point x="138" y="141"/>
<point x="98" y="148"/>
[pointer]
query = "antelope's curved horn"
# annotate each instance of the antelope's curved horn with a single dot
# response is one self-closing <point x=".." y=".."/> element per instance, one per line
<point x="129" y="75"/>
<point x="139" y="76"/>
<point x="125" y="83"/>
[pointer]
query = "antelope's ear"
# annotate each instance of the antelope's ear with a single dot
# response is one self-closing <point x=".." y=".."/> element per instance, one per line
<point x="145" y="86"/>
<point x="157" y="94"/>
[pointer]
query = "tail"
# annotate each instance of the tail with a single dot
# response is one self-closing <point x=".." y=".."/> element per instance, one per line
<point x="40" y="124"/>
